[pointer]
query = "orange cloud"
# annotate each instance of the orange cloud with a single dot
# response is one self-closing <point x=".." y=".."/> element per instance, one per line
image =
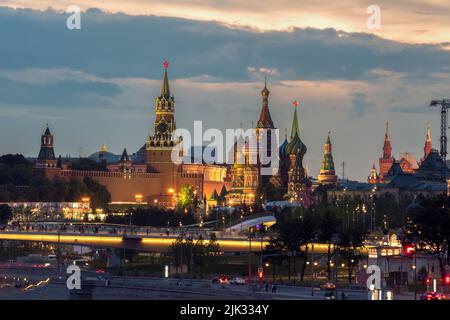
<point x="414" y="21"/>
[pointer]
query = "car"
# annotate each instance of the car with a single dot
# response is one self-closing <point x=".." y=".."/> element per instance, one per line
<point x="224" y="280"/>
<point x="430" y="295"/>
<point x="328" y="286"/>
<point x="329" y="295"/>
<point x="237" y="281"/>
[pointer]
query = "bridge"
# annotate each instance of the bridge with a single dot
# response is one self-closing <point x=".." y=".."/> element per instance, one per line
<point x="151" y="243"/>
<point x="267" y="220"/>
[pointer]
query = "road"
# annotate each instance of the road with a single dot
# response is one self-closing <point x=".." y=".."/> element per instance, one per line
<point x="139" y="288"/>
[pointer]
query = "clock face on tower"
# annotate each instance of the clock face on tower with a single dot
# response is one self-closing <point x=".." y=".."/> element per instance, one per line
<point x="162" y="127"/>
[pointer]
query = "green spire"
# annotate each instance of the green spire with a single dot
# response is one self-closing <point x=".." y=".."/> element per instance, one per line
<point x="295" y="130"/>
<point x="327" y="163"/>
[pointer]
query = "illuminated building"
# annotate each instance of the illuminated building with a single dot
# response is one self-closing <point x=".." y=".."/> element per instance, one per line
<point x="154" y="175"/>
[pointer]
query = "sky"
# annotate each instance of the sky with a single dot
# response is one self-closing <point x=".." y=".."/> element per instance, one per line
<point x="98" y="84"/>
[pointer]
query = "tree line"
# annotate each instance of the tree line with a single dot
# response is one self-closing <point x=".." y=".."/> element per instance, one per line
<point x="19" y="183"/>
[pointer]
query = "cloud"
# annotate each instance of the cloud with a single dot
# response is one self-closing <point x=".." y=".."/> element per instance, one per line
<point x="66" y="93"/>
<point x="403" y="20"/>
<point x="117" y="45"/>
<point x="98" y="85"/>
<point x="360" y="105"/>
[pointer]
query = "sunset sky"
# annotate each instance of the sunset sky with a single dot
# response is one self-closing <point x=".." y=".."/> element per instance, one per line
<point x="98" y="84"/>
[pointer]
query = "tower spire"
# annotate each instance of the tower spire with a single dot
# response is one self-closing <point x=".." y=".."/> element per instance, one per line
<point x="387" y="148"/>
<point x="428" y="145"/>
<point x="265" y="120"/>
<point x="295" y="130"/>
<point x="165" y="89"/>
<point x="373" y="177"/>
<point x="164" y="124"/>
<point x="386" y="160"/>
<point x="46" y="157"/>
<point x="327" y="172"/>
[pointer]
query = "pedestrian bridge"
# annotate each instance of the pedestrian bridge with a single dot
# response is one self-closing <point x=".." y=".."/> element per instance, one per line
<point x="151" y="243"/>
<point x="267" y="220"/>
<point x="136" y="242"/>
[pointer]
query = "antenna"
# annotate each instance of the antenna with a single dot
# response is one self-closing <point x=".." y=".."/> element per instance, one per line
<point x="343" y="170"/>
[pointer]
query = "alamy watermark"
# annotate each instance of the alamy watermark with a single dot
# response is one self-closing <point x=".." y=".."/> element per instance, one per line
<point x="374" y="20"/>
<point x="74" y="279"/>
<point x="374" y="280"/>
<point x="73" y="22"/>
<point x="251" y="146"/>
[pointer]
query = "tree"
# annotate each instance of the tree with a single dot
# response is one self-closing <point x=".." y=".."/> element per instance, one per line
<point x="351" y="240"/>
<point x="13" y="159"/>
<point x="186" y="199"/>
<point x="295" y="230"/>
<point x="328" y="223"/>
<point x="274" y="252"/>
<point x="271" y="192"/>
<point x="5" y="213"/>
<point x="195" y="254"/>
<point x="429" y="222"/>
<point x="99" y="194"/>
<point x="88" y="165"/>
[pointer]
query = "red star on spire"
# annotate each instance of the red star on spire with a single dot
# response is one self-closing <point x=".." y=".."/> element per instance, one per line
<point x="295" y="103"/>
<point x="166" y="64"/>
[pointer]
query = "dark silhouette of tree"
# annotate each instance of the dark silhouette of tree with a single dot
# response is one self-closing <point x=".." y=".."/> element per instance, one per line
<point x="275" y="252"/>
<point x="295" y="230"/>
<point x="328" y="226"/>
<point x="429" y="222"/>
<point x="351" y="240"/>
<point x="99" y="194"/>
<point x="88" y="165"/>
<point x="5" y="213"/>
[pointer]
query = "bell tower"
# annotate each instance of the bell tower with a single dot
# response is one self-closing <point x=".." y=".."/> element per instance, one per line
<point x="165" y="110"/>
<point x="160" y="145"/>
<point x="387" y="160"/>
<point x="264" y="133"/>
<point x="46" y="157"/>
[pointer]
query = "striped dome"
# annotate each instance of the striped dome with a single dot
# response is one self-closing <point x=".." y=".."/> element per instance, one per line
<point x="296" y="146"/>
<point x="282" y="149"/>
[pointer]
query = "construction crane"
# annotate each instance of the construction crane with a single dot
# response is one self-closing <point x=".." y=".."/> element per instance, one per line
<point x="445" y="104"/>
